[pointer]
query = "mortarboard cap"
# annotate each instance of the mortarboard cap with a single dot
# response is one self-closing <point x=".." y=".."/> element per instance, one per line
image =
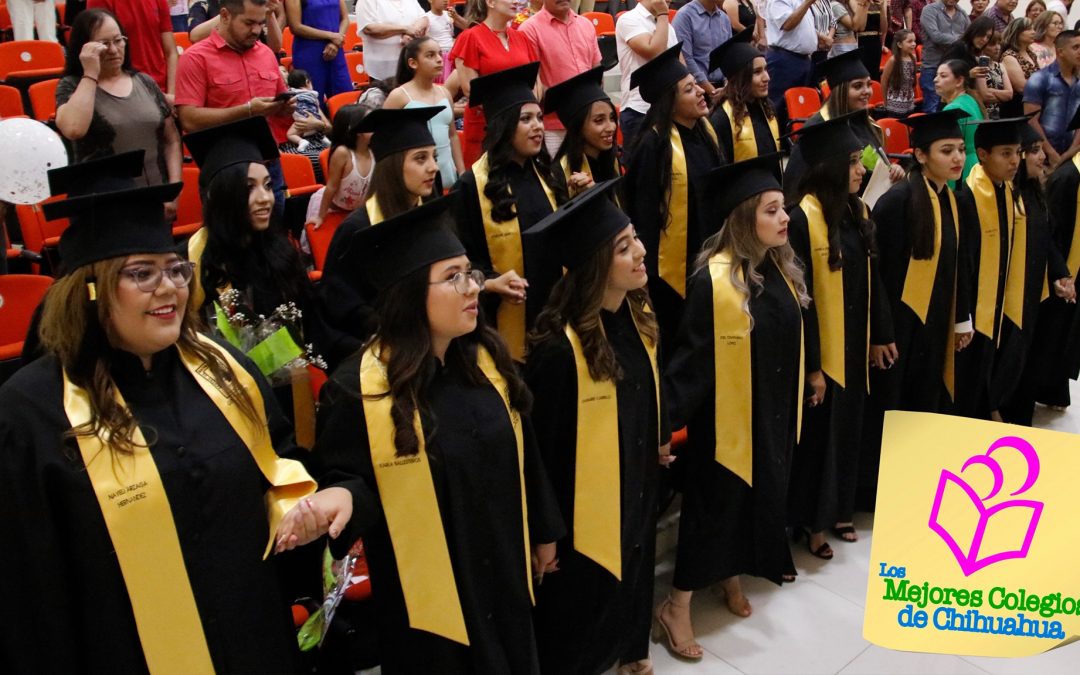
<point x="582" y="225"/>
<point x="397" y="130"/>
<point x="1028" y="136"/>
<point x="107" y="174"/>
<point x="843" y="68"/>
<point x="398" y="246"/>
<point x="830" y="137"/>
<point x="925" y="129"/>
<point x="735" y="183"/>
<point x="504" y="89"/>
<point x="735" y="54"/>
<point x="663" y="71"/>
<point x="247" y="141"/>
<point x="989" y="133"/>
<point x="569" y="97"/>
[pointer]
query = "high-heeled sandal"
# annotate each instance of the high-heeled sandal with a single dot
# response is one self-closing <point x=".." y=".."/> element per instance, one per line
<point x="824" y="551"/>
<point x="661" y="631"/>
<point x="842" y="531"/>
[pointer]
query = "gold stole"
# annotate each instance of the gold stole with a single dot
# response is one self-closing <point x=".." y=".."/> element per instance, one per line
<point x="732" y="366"/>
<point x="829" y="295"/>
<point x="989" y="246"/>
<point x="1073" y="260"/>
<point x="597" y="491"/>
<point x="375" y="216"/>
<point x="743" y="139"/>
<point x="504" y="247"/>
<point x="195" y="246"/>
<point x="140" y="522"/>
<point x="672" y="253"/>
<point x="920" y="277"/>
<point x="585" y="167"/>
<point x="407" y="494"/>
<point x="1016" y="278"/>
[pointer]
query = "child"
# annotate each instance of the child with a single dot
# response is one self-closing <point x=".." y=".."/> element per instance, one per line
<point x="898" y="75"/>
<point x="307" y="106"/>
<point x="441" y="29"/>
<point x="351" y="164"/>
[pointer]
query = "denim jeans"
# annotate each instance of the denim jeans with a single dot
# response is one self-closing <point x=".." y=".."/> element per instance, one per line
<point x="931" y="100"/>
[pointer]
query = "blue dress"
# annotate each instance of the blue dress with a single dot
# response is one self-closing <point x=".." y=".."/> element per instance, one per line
<point x="327" y="77"/>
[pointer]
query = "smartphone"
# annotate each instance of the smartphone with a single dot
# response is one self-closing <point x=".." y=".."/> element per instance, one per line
<point x="984" y="61"/>
<point x="284" y="96"/>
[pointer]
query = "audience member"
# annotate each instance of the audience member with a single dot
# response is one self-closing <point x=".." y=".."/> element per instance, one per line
<point x="307" y="135"/>
<point x="942" y="24"/>
<point x="1019" y="62"/>
<point x="702" y="26"/>
<point x="898" y="76"/>
<point x="26" y="14"/>
<point x="205" y="21"/>
<point x="1035" y="9"/>
<point x="386" y="25"/>
<point x="565" y="43"/>
<point x="872" y="37"/>
<point x="850" y="16"/>
<point x="825" y="25"/>
<point x="105" y="107"/>
<point x="978" y="8"/>
<point x="150" y="34"/>
<point x="971" y="43"/>
<point x="1062" y="7"/>
<point x="741" y="14"/>
<point x="640" y="35"/>
<point x="957" y="91"/>
<point x="1053" y="95"/>
<point x="792" y="39"/>
<point x="996" y="89"/>
<point x="231" y="75"/>
<point x="351" y="164"/>
<point x="1001" y="13"/>
<point x="907" y="14"/>
<point x="201" y="11"/>
<point x="1047" y="27"/>
<point x="178" y="13"/>
<point x="318" y="27"/>
<point x="442" y="20"/>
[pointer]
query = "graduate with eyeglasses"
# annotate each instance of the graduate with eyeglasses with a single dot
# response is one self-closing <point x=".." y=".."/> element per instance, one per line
<point x="427" y="427"/>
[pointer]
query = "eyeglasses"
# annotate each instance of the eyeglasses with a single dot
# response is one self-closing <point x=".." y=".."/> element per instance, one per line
<point x="116" y="43"/>
<point x="148" y="277"/>
<point x="460" y="281"/>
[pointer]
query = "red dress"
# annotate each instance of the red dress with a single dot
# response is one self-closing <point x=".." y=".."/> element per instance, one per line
<point x="481" y="49"/>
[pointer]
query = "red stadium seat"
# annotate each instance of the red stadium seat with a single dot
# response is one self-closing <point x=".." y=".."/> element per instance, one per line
<point x="299" y="175"/>
<point x="324" y="162"/>
<point x="286" y="41"/>
<point x="354" y="61"/>
<point x="20" y="294"/>
<point x="802" y="103"/>
<point x="30" y="60"/>
<point x="602" y="23"/>
<point x="11" y="104"/>
<point x="354" y="42"/>
<point x="896" y="136"/>
<point x="877" y="97"/>
<point x="319" y="239"/>
<point x="43" y="99"/>
<point x="183" y="42"/>
<point x="339" y="101"/>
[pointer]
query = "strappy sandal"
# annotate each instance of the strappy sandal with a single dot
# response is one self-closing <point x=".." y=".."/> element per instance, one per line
<point x="682" y="650"/>
<point x="643" y="667"/>
<point x="824" y="551"/>
<point x="841" y="531"/>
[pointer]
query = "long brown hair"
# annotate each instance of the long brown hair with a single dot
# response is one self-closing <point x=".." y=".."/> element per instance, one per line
<point x="388" y="186"/>
<point x="738" y="236"/>
<point x="577" y="299"/>
<point x="76" y="331"/>
<point x="740" y="93"/>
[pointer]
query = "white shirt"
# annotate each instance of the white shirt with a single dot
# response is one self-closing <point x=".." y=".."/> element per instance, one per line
<point x="638" y="21"/>
<point x="801" y="40"/>
<point x="381" y="54"/>
<point x="441" y="29"/>
<point x="1059" y="7"/>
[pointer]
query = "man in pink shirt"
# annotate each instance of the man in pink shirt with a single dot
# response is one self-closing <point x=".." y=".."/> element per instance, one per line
<point x="148" y="28"/>
<point x="566" y="43"/>
<point x="231" y="75"/>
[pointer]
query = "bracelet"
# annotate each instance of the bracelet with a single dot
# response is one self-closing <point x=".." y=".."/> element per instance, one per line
<point x="249" y="108"/>
<point x="92" y="79"/>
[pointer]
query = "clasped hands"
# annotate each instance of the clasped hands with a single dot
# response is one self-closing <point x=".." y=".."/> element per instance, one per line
<point x="326" y="511"/>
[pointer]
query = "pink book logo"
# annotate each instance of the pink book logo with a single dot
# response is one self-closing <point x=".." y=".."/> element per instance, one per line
<point x="952" y="488"/>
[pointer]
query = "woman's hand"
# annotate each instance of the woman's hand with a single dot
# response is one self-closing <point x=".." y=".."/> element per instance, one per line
<point x="1065" y="289"/>
<point x="511" y="286"/>
<point x="816" y="382"/>
<point x="579" y="182"/>
<point x="329" y="52"/>
<point x="90" y="58"/>
<point x="896" y="173"/>
<point x="979" y="72"/>
<point x="963" y="340"/>
<point x="325" y="511"/>
<point x="544" y="561"/>
<point x="883" y="356"/>
<point x="666" y="458"/>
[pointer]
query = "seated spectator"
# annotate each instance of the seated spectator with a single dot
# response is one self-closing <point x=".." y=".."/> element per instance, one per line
<point x="385" y="25"/>
<point x="1019" y="62"/>
<point x="1047" y="27"/>
<point x="702" y="26"/>
<point x="307" y="133"/>
<point x="105" y="107"/>
<point x="318" y="27"/>
<point x="150" y="34"/>
<point x="351" y="162"/>
<point x="26" y="14"/>
<point x="1053" y="94"/>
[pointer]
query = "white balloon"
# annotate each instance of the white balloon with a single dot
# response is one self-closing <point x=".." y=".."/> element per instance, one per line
<point x="28" y="150"/>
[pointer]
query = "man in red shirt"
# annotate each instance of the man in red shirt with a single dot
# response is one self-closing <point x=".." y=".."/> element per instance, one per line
<point x="148" y="27"/>
<point x="231" y="75"/>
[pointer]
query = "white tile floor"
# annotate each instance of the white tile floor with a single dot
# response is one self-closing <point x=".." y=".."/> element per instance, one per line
<point x="815" y="624"/>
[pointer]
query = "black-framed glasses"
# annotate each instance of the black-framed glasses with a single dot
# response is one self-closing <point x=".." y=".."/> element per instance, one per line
<point x="148" y="277"/>
<point x="460" y="281"/>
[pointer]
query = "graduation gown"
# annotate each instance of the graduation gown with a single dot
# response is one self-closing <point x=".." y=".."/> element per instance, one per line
<point x="915" y="381"/>
<point x="345" y="289"/>
<point x="975" y="363"/>
<point x="1014" y="382"/>
<point x="586" y="619"/>
<point x="826" y="462"/>
<point x="644" y="192"/>
<point x="66" y="606"/>
<point x="1053" y="344"/>
<point x="473" y="459"/>
<point x="762" y="133"/>
<point x="797" y="165"/>
<point x="727" y="527"/>
<point x="542" y="267"/>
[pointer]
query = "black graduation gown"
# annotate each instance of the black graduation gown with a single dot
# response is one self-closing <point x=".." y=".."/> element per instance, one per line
<point x="643" y="195"/>
<point x="1014" y="381"/>
<point x="346" y="291"/>
<point x="915" y="380"/>
<point x="1052" y="345"/>
<point x="975" y="363"/>
<point x="66" y="607"/>
<point x="762" y="133"/>
<point x="586" y="620"/>
<point x="797" y="167"/>
<point x="542" y="267"/>
<point x="826" y="462"/>
<point x="473" y="460"/>
<point x="726" y="527"/>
